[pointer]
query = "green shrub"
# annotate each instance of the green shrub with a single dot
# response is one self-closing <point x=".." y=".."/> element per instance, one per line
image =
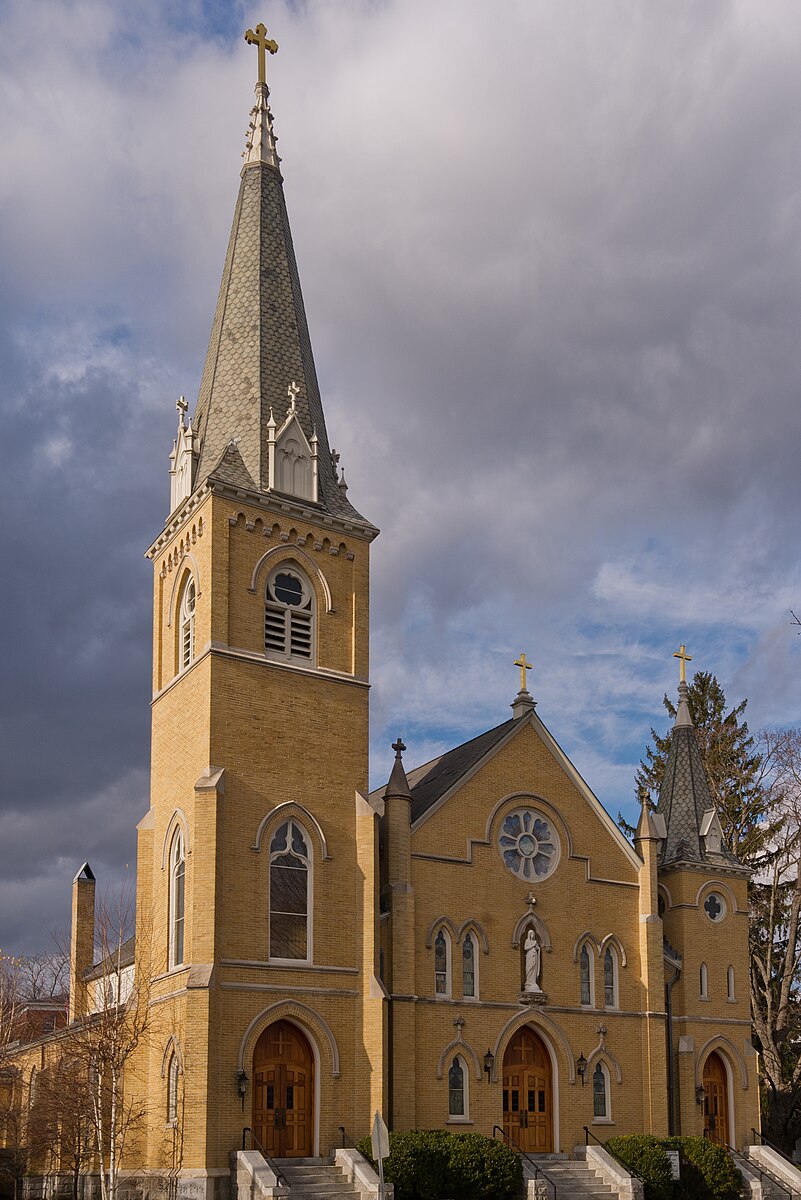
<point x="646" y="1155"/>
<point x="429" y="1164"/>
<point x="707" y="1171"/>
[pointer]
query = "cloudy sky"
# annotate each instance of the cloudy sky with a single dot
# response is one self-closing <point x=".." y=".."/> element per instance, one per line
<point x="551" y="256"/>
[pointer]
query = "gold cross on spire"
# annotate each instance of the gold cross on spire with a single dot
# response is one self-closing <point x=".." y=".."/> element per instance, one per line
<point x="258" y="37"/>
<point x="524" y="666"/>
<point x="684" y="658"/>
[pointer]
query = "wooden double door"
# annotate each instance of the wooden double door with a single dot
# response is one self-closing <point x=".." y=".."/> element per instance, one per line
<point x="716" y="1100"/>
<point x="283" y="1092"/>
<point x="528" y="1093"/>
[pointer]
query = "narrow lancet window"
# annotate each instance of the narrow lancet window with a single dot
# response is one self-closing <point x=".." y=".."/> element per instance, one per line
<point x="441" y="964"/>
<point x="289" y="892"/>
<point x="456" y="1089"/>
<point x="585" y="971"/>
<point x="468" y="966"/>
<point x="188" y="623"/>
<point x="177" y="885"/>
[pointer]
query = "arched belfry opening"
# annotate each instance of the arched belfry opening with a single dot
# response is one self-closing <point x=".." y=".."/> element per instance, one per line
<point x="283" y="1091"/>
<point x="528" y="1100"/>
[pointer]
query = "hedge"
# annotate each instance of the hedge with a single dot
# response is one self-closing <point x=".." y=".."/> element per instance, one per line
<point x="429" y="1164"/>
<point x="707" y="1172"/>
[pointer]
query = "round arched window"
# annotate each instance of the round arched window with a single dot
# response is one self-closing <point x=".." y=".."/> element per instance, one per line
<point x="529" y="844"/>
<point x="289" y="614"/>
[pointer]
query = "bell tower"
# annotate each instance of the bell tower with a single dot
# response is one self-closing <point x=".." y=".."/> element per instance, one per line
<point x="257" y="859"/>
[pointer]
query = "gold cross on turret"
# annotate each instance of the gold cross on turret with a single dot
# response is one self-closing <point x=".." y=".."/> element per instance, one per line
<point x="258" y="37"/>
<point x="524" y="666"/>
<point x="684" y="658"/>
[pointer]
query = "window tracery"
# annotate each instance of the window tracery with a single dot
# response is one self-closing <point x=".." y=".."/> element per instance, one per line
<point x="442" y="963"/>
<point x="457" y="1089"/>
<point x="290" y="892"/>
<point x="529" y="844"/>
<point x="601" y="1107"/>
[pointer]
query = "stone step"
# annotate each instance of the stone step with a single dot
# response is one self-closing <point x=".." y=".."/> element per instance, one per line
<point x="316" y="1178"/>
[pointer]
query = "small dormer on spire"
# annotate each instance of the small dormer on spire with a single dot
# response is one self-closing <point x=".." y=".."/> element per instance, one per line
<point x="183" y="457"/>
<point x="292" y="458"/>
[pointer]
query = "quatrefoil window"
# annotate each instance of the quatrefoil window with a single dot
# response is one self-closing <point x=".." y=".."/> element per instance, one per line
<point x="529" y="845"/>
<point x="715" y="907"/>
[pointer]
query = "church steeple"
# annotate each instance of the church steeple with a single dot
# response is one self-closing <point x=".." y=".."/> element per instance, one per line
<point x="259" y="423"/>
<point x="693" y="832"/>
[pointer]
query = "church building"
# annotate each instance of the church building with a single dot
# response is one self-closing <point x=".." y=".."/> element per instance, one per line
<point x="474" y="945"/>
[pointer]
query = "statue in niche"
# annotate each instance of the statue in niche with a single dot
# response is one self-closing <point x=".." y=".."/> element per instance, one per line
<point x="532" y="963"/>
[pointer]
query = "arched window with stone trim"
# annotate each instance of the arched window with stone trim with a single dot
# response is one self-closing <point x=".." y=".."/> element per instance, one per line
<point x="601" y="1093"/>
<point x="186" y="622"/>
<point x="470" y="966"/>
<point x="442" y="963"/>
<point x="586" y="976"/>
<point x="290" y="893"/>
<point x="458" y="1098"/>
<point x="703" y="981"/>
<point x="289" y="615"/>
<point x="173" y="1072"/>
<point x="611" y="999"/>
<point x="177" y="898"/>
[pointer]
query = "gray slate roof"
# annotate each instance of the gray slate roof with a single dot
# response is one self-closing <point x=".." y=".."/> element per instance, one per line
<point x="683" y="799"/>
<point x="433" y="779"/>
<point x="259" y="344"/>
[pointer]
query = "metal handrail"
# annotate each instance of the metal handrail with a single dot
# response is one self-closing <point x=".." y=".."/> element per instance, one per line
<point x="749" y="1163"/>
<point x="270" y="1161"/>
<point x="346" y="1138"/>
<point x="589" y="1134"/>
<point x="761" y="1140"/>
<point x="524" y="1154"/>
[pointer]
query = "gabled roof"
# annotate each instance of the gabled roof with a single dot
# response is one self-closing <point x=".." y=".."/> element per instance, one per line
<point x="260" y="344"/>
<point x="118" y="958"/>
<point x="429" y="782"/>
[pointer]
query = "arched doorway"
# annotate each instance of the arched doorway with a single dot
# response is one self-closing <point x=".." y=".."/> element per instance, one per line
<point x="283" y="1092"/>
<point x="528" y="1093"/>
<point x="716" y="1101"/>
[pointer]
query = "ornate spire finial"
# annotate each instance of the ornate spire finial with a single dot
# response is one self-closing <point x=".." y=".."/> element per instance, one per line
<point x="258" y="37"/>
<point x="292" y="391"/>
<point x="398" y="747"/>
<point x="182" y="405"/>
<point x="684" y="658"/>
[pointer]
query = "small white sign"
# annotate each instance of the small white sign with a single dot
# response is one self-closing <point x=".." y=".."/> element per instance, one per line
<point x="379" y="1138"/>
<point x="675" y="1163"/>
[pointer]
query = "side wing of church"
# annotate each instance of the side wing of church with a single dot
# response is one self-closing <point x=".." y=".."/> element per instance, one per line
<point x="474" y="945"/>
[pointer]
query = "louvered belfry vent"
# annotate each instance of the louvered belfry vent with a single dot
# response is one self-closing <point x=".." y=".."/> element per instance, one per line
<point x="289" y="615"/>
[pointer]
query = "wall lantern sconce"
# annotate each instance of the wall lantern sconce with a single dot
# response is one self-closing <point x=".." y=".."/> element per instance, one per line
<point x="489" y="1063"/>
<point x="242" y="1086"/>
<point x="581" y="1068"/>
<point x="700" y="1094"/>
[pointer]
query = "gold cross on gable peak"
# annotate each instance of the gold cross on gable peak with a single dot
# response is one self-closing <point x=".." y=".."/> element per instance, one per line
<point x="524" y="666"/>
<point x="258" y="37"/>
<point x="684" y="658"/>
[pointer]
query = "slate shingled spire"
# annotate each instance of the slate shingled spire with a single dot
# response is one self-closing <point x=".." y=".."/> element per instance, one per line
<point x="259" y="342"/>
<point x="685" y="801"/>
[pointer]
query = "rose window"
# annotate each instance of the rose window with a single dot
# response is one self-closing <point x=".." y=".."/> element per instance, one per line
<point x="529" y="844"/>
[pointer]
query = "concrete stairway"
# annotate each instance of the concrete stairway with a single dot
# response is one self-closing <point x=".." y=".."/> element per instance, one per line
<point x="572" y="1179"/>
<point x="315" y="1178"/>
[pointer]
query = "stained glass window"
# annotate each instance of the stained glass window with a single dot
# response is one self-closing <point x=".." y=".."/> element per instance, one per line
<point x="610" y="999"/>
<point x="599" y="1108"/>
<point x="289" y="892"/>
<point x="468" y="966"/>
<point x="586" y="976"/>
<point x="456" y="1106"/>
<point x="441" y="964"/>
<point x="529" y="844"/>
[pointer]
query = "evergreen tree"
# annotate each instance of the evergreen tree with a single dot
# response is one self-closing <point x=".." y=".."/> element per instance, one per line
<point x="735" y="768"/>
